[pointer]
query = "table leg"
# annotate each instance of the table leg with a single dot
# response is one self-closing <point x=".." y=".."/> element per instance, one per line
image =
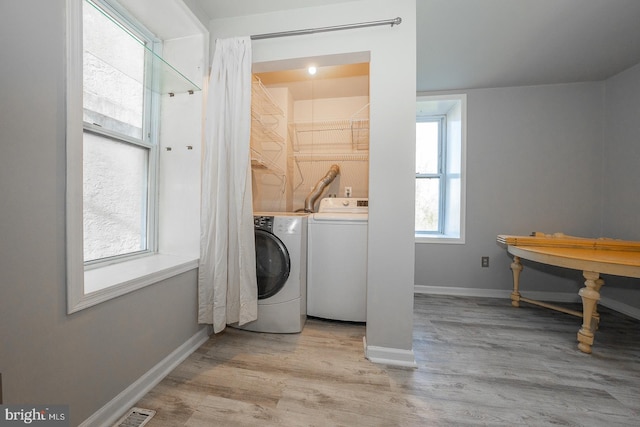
<point x="590" y="297"/>
<point x="595" y="321"/>
<point x="516" y="268"/>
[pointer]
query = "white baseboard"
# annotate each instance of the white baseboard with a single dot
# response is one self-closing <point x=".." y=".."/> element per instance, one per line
<point x="389" y="356"/>
<point x="462" y="292"/>
<point x="496" y="293"/>
<point x="119" y="405"/>
<point x="618" y="306"/>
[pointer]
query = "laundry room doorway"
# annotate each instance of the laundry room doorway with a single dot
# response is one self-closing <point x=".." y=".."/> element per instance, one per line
<point x="309" y="114"/>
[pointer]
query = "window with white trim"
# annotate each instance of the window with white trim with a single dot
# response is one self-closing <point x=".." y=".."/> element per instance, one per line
<point x="440" y="168"/>
<point x="132" y="214"/>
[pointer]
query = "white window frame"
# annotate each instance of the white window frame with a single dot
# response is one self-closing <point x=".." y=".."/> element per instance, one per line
<point x="441" y="172"/>
<point x="451" y="228"/>
<point x="88" y="287"/>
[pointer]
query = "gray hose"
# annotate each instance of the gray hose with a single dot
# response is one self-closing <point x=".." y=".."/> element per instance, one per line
<point x="310" y="201"/>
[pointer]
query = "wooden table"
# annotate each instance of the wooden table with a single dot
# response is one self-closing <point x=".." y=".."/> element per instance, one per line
<point x="603" y="257"/>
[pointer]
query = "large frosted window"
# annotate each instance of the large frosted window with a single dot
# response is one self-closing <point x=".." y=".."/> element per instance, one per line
<point x="118" y="152"/>
<point x="115" y="197"/>
<point x="113" y="74"/>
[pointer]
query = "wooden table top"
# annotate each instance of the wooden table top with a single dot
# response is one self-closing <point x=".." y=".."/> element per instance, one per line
<point x="561" y="240"/>
<point x="620" y="263"/>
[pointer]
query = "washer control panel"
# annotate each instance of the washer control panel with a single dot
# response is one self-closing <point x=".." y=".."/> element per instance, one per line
<point x="263" y="223"/>
<point x="343" y="205"/>
<point x="280" y="224"/>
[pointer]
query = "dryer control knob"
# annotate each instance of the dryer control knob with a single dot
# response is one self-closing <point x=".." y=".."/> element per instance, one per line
<point x="345" y="203"/>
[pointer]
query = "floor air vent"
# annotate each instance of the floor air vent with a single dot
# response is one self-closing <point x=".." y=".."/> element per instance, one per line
<point x="136" y="417"/>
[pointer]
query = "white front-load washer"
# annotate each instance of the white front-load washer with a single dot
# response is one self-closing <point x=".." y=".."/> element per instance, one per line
<point x="337" y="260"/>
<point x="281" y="269"/>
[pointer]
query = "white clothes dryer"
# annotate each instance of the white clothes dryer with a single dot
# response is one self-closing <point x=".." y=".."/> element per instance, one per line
<point x="337" y="260"/>
<point x="281" y="268"/>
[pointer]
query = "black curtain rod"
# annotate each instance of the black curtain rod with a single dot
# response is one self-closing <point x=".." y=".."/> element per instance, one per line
<point x="392" y="22"/>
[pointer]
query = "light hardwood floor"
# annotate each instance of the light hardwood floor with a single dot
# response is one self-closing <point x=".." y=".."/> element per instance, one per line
<point x="480" y="362"/>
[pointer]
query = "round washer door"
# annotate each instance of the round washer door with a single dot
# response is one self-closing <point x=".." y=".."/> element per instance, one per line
<point x="273" y="264"/>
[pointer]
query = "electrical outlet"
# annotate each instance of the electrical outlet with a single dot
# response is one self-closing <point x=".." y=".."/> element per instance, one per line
<point x="347" y="191"/>
<point x="485" y="261"/>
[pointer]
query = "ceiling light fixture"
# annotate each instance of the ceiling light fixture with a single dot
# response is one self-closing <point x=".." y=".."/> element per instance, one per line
<point x="312" y="70"/>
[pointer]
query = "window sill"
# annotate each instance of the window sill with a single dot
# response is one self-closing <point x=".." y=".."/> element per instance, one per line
<point x="439" y="239"/>
<point x="104" y="283"/>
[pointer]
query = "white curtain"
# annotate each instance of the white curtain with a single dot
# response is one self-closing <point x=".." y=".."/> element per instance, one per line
<point x="227" y="287"/>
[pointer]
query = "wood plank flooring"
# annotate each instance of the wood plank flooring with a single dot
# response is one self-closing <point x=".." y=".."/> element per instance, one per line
<point x="480" y="362"/>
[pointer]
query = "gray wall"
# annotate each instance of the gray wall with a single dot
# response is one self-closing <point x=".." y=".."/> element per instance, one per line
<point x="46" y="356"/>
<point x="533" y="164"/>
<point x="621" y="208"/>
<point x="621" y="192"/>
<point x="546" y="158"/>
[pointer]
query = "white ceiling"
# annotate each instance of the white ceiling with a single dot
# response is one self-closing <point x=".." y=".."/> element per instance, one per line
<point x="494" y="43"/>
<point x="227" y="8"/>
<point x="466" y="44"/>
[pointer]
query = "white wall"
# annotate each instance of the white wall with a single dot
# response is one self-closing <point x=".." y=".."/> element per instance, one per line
<point x="533" y="164"/>
<point x="181" y="128"/>
<point x="391" y="180"/>
<point x="334" y="138"/>
<point x="455" y="163"/>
